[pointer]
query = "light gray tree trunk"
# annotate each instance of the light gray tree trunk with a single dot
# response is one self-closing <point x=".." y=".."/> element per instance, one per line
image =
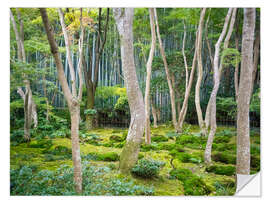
<point x="245" y="85"/>
<point x="30" y="111"/>
<point x="73" y="99"/>
<point x="213" y="124"/>
<point x="200" y="75"/>
<point x="129" y="155"/>
<point x="171" y="90"/>
<point x="148" y="78"/>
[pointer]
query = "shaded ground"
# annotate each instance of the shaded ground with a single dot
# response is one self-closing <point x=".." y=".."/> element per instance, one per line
<point x="181" y="152"/>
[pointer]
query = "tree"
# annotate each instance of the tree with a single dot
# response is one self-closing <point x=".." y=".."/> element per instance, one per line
<point x="30" y="112"/>
<point x="91" y="84"/>
<point x="73" y="99"/>
<point x="217" y="72"/>
<point x="245" y="86"/>
<point x="200" y="74"/>
<point x="148" y="78"/>
<point x="129" y="156"/>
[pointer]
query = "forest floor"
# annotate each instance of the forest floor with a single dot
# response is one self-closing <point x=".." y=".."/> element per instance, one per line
<point x="180" y="153"/>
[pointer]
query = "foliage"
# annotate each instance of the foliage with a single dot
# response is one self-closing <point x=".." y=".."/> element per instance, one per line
<point x="224" y="157"/>
<point x="221" y="170"/>
<point x="109" y="156"/>
<point x="60" y="182"/>
<point x="193" y="185"/>
<point x="159" y="138"/>
<point x="90" y="112"/>
<point x="147" y="168"/>
<point x="230" y="56"/>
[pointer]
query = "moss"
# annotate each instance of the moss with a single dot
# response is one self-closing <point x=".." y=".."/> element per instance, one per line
<point x="224" y="157"/>
<point x="221" y="170"/>
<point x="41" y="144"/>
<point x="129" y="156"/>
<point x="193" y="185"/>
<point x="159" y="138"/>
<point x="116" y="138"/>
<point x="221" y="139"/>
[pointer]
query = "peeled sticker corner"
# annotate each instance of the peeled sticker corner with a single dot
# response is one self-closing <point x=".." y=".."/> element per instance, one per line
<point x="248" y="185"/>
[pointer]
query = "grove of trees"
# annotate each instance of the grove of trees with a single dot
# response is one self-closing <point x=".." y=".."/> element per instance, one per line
<point x="116" y="100"/>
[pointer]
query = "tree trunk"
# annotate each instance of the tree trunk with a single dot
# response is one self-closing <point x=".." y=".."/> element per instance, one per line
<point x="90" y="99"/>
<point x="245" y="85"/>
<point x="154" y="113"/>
<point x="213" y="123"/>
<point x="148" y="78"/>
<point x="30" y="111"/>
<point x="72" y="100"/>
<point x="255" y="58"/>
<point x="76" y="157"/>
<point x="129" y="155"/>
<point x="171" y="91"/>
<point x="200" y="75"/>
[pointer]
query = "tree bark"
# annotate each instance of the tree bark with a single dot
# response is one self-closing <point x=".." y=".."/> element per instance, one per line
<point x="200" y="75"/>
<point x="171" y="91"/>
<point x="129" y="155"/>
<point x="72" y="100"/>
<point x="213" y="124"/>
<point x="256" y="57"/>
<point x="30" y="111"/>
<point x="154" y="113"/>
<point x="245" y="85"/>
<point x="148" y="78"/>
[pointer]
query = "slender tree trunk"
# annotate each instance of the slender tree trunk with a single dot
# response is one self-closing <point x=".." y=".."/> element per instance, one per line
<point x="245" y="85"/>
<point x="255" y="58"/>
<point x="148" y="78"/>
<point x="71" y="96"/>
<point x="30" y="111"/>
<point x="213" y="124"/>
<point x="129" y="155"/>
<point x="171" y="91"/>
<point x="154" y="113"/>
<point x="200" y="75"/>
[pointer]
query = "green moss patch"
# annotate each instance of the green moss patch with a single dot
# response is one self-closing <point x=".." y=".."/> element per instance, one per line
<point x="221" y="170"/>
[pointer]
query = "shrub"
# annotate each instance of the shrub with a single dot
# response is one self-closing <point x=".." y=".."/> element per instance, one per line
<point x="166" y="146"/>
<point x="224" y="157"/>
<point x="159" y="138"/>
<point x="221" y="170"/>
<point x="147" y="168"/>
<point x="193" y="185"/>
<point x="17" y="136"/>
<point x="224" y="189"/>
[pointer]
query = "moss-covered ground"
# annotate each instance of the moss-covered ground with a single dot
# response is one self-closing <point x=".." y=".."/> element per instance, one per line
<point x="178" y="151"/>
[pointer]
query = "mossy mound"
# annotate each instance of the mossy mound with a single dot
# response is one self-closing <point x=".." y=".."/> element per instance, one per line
<point x="221" y="170"/>
<point x="159" y="138"/>
<point x="224" y="157"/>
<point x="193" y="185"/>
<point x="41" y="144"/>
<point x="116" y="138"/>
<point x="109" y="156"/>
<point x="186" y="157"/>
<point x="190" y="139"/>
<point x="221" y="139"/>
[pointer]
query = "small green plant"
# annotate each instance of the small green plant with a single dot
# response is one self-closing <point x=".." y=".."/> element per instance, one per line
<point x="41" y="144"/>
<point x="116" y="138"/>
<point x="90" y="112"/>
<point x="147" y="168"/>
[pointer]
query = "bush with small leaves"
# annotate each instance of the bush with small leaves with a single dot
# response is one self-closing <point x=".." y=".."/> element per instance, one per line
<point x="147" y="168"/>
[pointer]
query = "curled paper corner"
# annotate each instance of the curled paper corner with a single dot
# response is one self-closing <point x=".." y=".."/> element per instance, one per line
<point x="248" y="185"/>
